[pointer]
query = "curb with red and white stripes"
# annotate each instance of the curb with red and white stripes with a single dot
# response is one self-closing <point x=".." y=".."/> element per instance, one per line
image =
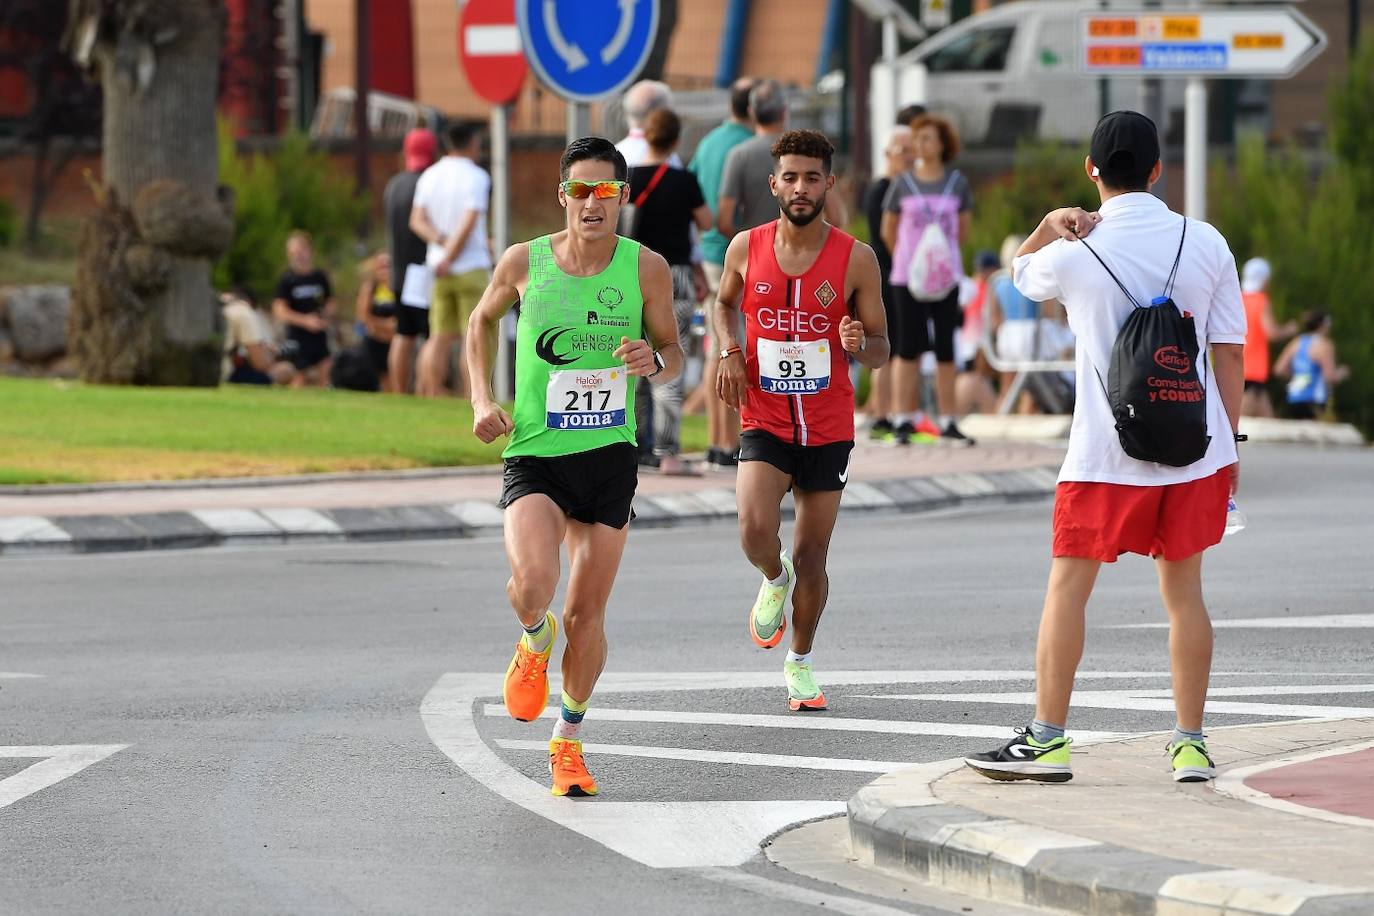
<point x="27" y="535"/>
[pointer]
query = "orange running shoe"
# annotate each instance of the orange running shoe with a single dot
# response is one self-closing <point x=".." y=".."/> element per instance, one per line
<point x="526" y="690"/>
<point x="569" y="770"/>
<point x="927" y="426"/>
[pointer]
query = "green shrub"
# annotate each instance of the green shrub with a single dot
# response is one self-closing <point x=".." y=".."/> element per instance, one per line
<point x="1310" y="221"/>
<point x="1045" y="175"/>
<point x="292" y="187"/>
<point x="9" y="222"/>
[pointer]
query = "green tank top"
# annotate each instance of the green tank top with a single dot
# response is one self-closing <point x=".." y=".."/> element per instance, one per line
<point x="571" y="394"/>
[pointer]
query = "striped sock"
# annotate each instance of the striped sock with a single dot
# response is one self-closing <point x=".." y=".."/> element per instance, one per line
<point x="570" y="718"/>
<point x="539" y="637"/>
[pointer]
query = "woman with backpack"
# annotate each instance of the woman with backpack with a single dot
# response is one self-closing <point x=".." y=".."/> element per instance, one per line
<point x="665" y="203"/>
<point x="927" y="212"/>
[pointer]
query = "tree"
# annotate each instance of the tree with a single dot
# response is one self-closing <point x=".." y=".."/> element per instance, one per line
<point x="65" y="108"/>
<point x="143" y="309"/>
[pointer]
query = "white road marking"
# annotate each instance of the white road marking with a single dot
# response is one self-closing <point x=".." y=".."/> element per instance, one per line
<point x="657" y="834"/>
<point x="16" y="674"/>
<point x="1316" y="622"/>
<point x="786" y="761"/>
<point x="1133" y="700"/>
<point x="60" y="761"/>
<point x="802" y="722"/>
<point x="1232" y="783"/>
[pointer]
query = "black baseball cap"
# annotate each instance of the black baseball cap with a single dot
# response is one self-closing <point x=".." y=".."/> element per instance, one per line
<point x="1125" y="144"/>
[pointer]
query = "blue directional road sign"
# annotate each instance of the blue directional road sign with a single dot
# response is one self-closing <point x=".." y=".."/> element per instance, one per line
<point x="585" y="50"/>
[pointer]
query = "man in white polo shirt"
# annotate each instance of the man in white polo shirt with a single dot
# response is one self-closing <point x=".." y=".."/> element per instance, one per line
<point x="450" y="213"/>
<point x="1108" y="503"/>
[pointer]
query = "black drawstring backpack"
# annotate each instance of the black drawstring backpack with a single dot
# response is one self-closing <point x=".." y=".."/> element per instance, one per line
<point x="1153" y="385"/>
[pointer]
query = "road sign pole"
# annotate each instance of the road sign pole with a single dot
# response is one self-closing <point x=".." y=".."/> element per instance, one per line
<point x="1195" y="149"/>
<point x="500" y="230"/>
<point x="579" y="120"/>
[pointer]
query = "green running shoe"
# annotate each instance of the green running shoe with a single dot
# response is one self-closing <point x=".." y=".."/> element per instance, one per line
<point x="1025" y="758"/>
<point x="768" y="617"/>
<point x="1192" y="763"/>
<point x="802" y="693"/>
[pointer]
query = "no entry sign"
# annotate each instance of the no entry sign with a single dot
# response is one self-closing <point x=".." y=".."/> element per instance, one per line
<point x="490" y="49"/>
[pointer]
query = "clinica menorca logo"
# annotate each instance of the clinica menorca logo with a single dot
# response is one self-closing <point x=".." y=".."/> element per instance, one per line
<point x="544" y="346"/>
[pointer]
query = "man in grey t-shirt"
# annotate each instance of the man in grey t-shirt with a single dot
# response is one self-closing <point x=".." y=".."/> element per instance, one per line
<point x="746" y="200"/>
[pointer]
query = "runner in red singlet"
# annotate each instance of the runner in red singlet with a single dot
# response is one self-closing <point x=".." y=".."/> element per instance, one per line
<point x="812" y="298"/>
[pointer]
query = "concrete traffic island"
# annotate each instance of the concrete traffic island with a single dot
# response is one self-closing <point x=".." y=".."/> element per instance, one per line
<point x="1123" y="838"/>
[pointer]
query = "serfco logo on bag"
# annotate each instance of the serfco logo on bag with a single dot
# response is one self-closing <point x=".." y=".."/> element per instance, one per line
<point x="1173" y="359"/>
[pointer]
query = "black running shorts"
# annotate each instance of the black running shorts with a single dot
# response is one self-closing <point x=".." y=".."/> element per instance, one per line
<point x="911" y="337"/>
<point x="594" y="487"/>
<point x="412" y="321"/>
<point x="811" y="467"/>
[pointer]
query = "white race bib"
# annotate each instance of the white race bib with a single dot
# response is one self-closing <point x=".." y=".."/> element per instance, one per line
<point x="586" y="399"/>
<point x="794" y="367"/>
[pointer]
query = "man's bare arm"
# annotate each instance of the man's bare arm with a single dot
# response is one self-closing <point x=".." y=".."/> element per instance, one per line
<point x="865" y="280"/>
<point x="502" y="293"/>
<point x="660" y="326"/>
<point x="421" y="226"/>
<point x="731" y="380"/>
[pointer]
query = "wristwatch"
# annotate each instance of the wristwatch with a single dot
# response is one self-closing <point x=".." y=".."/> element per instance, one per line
<point x="1242" y="437"/>
<point x="725" y="354"/>
<point x="659" y="363"/>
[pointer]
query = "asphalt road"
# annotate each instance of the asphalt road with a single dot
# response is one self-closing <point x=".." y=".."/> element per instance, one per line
<point x="294" y="729"/>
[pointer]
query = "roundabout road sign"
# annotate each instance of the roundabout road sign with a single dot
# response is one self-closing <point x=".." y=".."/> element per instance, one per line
<point x="585" y="50"/>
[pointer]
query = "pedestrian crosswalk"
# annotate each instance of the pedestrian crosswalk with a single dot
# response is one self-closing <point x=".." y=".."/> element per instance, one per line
<point x="680" y="749"/>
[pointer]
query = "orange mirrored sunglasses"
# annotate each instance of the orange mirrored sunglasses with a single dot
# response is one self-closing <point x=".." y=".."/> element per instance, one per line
<point x="602" y="190"/>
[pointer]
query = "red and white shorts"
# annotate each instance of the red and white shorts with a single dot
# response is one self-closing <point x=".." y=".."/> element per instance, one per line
<point x="1101" y="521"/>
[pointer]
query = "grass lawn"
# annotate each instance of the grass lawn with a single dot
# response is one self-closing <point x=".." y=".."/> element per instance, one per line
<point x="63" y="432"/>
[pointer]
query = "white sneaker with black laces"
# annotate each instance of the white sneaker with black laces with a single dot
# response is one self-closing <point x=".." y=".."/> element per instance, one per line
<point x="1025" y="758"/>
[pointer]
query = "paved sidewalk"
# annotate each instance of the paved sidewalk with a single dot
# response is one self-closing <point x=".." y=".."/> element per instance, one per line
<point x="1288" y="827"/>
<point x="462" y="503"/>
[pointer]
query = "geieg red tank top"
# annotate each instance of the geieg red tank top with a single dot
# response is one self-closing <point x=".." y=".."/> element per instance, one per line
<point x="798" y="372"/>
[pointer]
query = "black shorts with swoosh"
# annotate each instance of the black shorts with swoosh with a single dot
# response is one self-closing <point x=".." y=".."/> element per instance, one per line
<point x="812" y="467"/>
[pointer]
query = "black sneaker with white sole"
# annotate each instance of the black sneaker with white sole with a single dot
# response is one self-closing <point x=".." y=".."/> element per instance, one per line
<point x="1025" y="758"/>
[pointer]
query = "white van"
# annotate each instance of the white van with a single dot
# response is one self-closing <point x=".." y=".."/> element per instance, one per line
<point x="1010" y="72"/>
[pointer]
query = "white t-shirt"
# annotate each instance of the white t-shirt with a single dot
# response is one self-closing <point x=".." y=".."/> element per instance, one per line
<point x="1138" y="238"/>
<point x="635" y="149"/>
<point x="447" y="190"/>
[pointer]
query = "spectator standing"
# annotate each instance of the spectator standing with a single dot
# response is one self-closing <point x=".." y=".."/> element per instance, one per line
<point x="1309" y="364"/>
<point x="450" y="213"/>
<point x="930" y="200"/>
<point x="1261" y="330"/>
<point x="1108" y="503"/>
<point x="377" y="310"/>
<point x="639" y="102"/>
<point x="899" y="159"/>
<point x="667" y="203"/>
<point x="406" y="250"/>
<point x="304" y="304"/>
<point x="746" y="199"/>
<point x="708" y="165"/>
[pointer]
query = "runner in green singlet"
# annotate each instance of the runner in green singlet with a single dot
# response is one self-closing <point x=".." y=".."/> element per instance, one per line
<point x="588" y="298"/>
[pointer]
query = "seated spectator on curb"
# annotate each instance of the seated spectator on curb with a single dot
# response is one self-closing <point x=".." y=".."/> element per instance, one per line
<point x="249" y="355"/>
<point x="377" y="312"/>
<point x="304" y="303"/>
